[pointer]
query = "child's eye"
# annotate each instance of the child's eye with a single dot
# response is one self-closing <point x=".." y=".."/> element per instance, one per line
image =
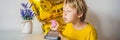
<point x="66" y="10"/>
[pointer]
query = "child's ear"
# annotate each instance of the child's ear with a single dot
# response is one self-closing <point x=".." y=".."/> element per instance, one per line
<point x="80" y="14"/>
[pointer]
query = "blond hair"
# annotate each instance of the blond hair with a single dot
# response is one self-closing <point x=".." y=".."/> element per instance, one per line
<point x="80" y="5"/>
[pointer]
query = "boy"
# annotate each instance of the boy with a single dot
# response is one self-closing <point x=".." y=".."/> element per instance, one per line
<point x="74" y="13"/>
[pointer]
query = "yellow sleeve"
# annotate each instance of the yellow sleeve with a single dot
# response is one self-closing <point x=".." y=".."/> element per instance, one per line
<point x="93" y="35"/>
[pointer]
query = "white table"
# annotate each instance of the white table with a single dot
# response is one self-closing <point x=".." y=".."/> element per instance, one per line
<point x="20" y="36"/>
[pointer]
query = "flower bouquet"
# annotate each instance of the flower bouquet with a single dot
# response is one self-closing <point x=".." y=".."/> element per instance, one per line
<point x="27" y="15"/>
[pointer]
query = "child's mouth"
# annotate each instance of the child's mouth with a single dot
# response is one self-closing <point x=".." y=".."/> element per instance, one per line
<point x="64" y="19"/>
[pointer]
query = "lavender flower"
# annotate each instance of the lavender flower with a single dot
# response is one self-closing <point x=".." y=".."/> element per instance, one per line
<point x="26" y="12"/>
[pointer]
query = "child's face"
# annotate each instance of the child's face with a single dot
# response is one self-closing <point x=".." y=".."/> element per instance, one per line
<point x="69" y="13"/>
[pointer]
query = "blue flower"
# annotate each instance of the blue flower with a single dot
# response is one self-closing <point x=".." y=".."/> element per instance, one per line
<point x="26" y="12"/>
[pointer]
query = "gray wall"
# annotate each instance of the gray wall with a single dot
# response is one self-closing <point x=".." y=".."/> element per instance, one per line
<point x="10" y="17"/>
<point x="104" y="15"/>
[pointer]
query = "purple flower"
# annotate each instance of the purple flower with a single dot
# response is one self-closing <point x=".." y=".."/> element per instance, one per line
<point x="24" y="5"/>
<point x="26" y="12"/>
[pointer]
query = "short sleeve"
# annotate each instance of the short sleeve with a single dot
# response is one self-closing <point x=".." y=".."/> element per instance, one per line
<point x="93" y="35"/>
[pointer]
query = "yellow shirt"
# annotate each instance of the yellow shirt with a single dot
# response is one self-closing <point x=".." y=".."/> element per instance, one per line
<point x="87" y="33"/>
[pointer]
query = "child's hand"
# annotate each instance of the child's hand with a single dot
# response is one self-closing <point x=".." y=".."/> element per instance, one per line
<point x="54" y="25"/>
